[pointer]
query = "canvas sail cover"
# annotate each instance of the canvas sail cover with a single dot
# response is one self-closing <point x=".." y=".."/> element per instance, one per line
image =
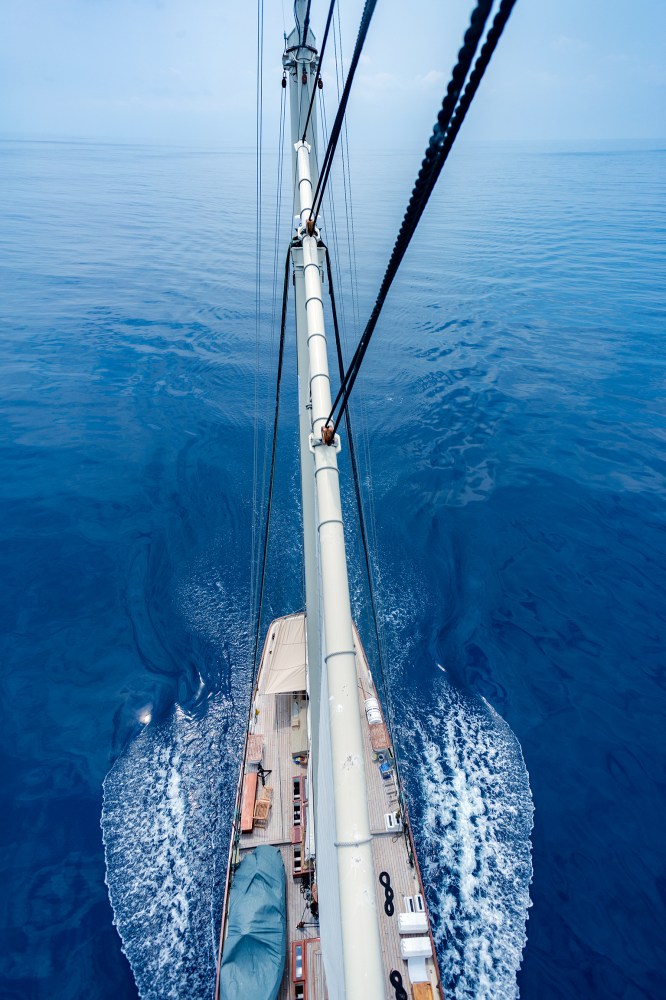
<point x="284" y="669"/>
<point x="254" y="950"/>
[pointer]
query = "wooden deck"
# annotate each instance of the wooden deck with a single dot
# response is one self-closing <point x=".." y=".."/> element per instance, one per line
<point x="273" y="742"/>
<point x="389" y="847"/>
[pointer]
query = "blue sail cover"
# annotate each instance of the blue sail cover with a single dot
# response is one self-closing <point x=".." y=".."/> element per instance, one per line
<point x="254" y="950"/>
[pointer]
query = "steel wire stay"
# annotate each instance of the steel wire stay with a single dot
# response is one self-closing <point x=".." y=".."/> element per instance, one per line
<point x="361" y="516"/>
<point x="319" y="65"/>
<point x="306" y="24"/>
<point x="366" y="17"/>
<point x="446" y="128"/>
<point x="271" y="482"/>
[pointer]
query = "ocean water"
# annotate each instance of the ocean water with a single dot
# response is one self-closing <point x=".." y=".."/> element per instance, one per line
<point x="512" y="427"/>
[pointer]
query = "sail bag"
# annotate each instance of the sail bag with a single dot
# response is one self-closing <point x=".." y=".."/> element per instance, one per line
<point x="254" y="949"/>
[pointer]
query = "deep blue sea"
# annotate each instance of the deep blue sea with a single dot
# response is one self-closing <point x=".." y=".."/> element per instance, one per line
<point x="512" y="433"/>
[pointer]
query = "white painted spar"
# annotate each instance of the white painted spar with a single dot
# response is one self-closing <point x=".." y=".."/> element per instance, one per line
<point x="364" y="975"/>
<point x="298" y="60"/>
<point x="308" y="511"/>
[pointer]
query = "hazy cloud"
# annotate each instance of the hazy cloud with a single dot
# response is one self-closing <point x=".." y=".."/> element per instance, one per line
<point x="164" y="70"/>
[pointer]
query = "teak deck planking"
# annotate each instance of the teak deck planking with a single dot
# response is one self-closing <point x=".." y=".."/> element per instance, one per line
<point x="390" y="853"/>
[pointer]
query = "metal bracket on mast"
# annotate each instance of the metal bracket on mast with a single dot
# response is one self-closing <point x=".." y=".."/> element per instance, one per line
<point x="308" y="230"/>
<point x="318" y="443"/>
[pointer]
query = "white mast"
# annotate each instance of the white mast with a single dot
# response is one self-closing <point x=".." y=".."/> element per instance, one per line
<point x="326" y="568"/>
<point x="300" y="61"/>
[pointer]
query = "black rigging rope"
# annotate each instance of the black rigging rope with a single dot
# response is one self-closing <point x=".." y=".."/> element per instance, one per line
<point x="276" y="253"/>
<point x="257" y="278"/>
<point x="354" y="465"/>
<point x="278" y="207"/>
<point x="236" y="820"/>
<point x="361" y="520"/>
<point x="306" y="24"/>
<point x="366" y="17"/>
<point x="319" y="65"/>
<point x="446" y="129"/>
<point x="271" y="482"/>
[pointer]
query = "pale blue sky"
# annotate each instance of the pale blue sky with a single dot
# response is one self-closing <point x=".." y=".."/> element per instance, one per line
<point x="184" y="72"/>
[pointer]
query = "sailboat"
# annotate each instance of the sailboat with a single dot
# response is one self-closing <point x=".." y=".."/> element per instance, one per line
<point x="323" y="896"/>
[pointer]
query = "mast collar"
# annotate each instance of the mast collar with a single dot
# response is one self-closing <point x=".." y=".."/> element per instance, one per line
<point x="334" y="442"/>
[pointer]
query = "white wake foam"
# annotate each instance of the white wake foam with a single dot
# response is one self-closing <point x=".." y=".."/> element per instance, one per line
<point x="474" y="842"/>
<point x="168" y="802"/>
<point x="167" y="809"/>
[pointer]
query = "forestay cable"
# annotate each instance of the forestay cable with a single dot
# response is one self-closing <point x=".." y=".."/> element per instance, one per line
<point x="365" y="449"/>
<point x="444" y="134"/>
<point x="257" y="286"/>
<point x="274" y="296"/>
<point x="271" y="482"/>
<point x="364" y="538"/>
<point x="236" y="821"/>
<point x="306" y="24"/>
<point x="355" y="478"/>
<point x="237" y="807"/>
<point x="366" y="17"/>
<point x="319" y="65"/>
<point x="458" y="76"/>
